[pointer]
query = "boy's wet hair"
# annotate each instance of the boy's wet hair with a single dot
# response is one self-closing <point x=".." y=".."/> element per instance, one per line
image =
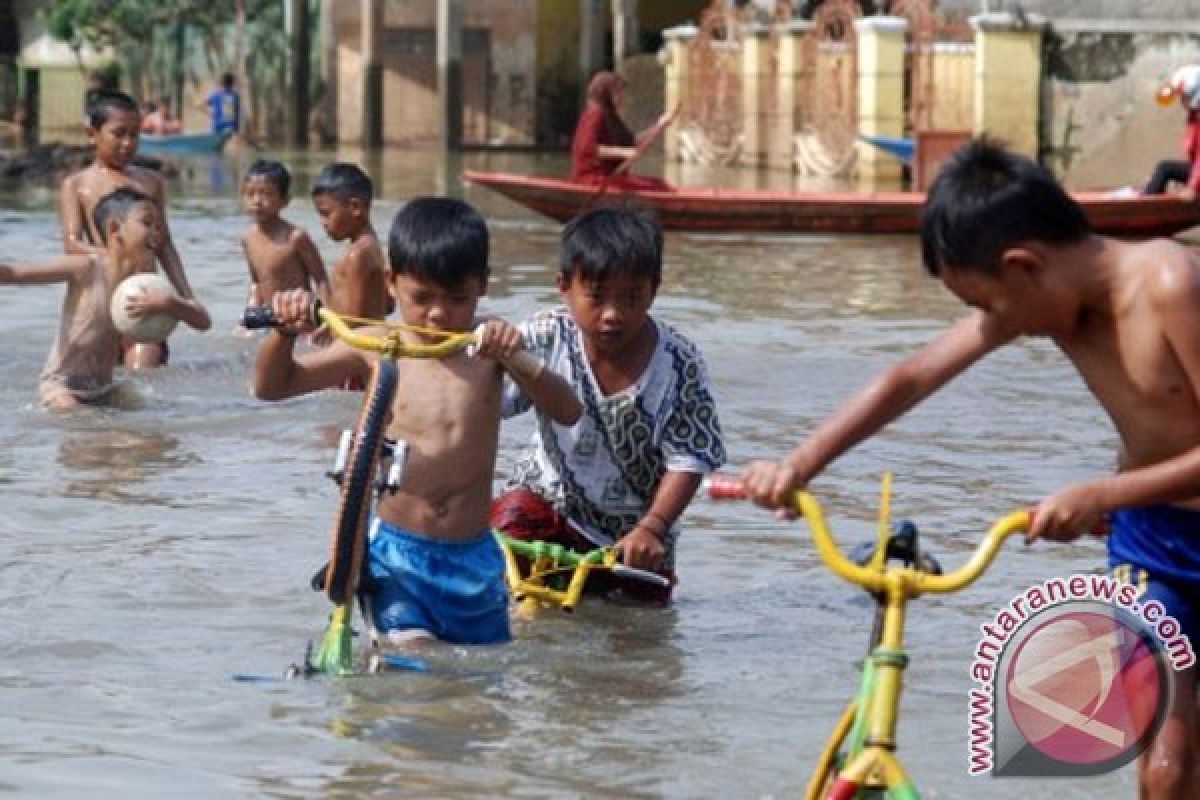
<point x="987" y="199"/>
<point x="101" y="103"/>
<point x="273" y="171"/>
<point x="439" y="239"/>
<point x="604" y="242"/>
<point x="227" y="80"/>
<point x="116" y="205"/>
<point x="343" y="181"/>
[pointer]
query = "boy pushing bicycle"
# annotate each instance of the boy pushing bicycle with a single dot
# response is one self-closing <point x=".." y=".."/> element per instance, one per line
<point x="436" y="570"/>
<point x="1003" y="236"/>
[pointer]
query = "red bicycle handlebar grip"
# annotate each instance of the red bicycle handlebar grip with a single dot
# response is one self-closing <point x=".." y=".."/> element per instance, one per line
<point x="725" y="487"/>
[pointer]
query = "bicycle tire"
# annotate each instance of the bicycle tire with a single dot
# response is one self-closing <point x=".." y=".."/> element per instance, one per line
<point x="349" y="540"/>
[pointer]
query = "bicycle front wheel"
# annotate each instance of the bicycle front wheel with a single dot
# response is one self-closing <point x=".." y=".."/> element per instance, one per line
<point x="349" y="539"/>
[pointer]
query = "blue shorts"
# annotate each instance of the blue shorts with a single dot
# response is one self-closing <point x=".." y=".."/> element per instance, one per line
<point x="1157" y="549"/>
<point x="453" y="590"/>
<point x="1182" y="605"/>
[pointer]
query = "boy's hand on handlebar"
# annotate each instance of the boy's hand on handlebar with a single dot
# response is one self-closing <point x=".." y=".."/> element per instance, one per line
<point x="499" y="339"/>
<point x="1067" y="515"/>
<point x="641" y="548"/>
<point x="771" y="484"/>
<point x="293" y="310"/>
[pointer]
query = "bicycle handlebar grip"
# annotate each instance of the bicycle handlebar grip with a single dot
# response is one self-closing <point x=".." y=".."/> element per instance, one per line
<point x="724" y="487"/>
<point x="255" y="317"/>
<point x="521" y="363"/>
<point x="622" y="571"/>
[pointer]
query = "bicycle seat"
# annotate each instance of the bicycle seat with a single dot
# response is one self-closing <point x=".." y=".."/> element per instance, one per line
<point x="902" y="547"/>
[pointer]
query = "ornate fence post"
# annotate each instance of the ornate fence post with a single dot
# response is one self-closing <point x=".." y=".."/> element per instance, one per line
<point x="677" y="41"/>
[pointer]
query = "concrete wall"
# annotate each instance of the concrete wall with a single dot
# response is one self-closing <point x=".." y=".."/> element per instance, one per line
<point x="499" y="71"/>
<point x="1100" y="124"/>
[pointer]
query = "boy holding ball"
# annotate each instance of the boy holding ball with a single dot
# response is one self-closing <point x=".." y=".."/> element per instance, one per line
<point x="80" y="367"/>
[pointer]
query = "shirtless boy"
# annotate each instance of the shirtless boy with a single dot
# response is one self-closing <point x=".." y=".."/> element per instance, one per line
<point x="342" y="197"/>
<point x="1003" y="236"/>
<point x="436" y="569"/>
<point x="80" y="367"/>
<point x="280" y="255"/>
<point x="113" y="126"/>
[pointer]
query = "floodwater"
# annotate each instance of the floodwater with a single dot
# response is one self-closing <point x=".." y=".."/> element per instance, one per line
<point x="147" y="555"/>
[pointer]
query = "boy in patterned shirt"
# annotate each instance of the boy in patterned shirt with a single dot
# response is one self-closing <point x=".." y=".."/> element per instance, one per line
<point x="625" y="472"/>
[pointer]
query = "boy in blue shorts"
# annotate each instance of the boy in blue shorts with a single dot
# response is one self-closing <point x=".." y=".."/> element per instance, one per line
<point x="627" y="470"/>
<point x="1003" y="236"/>
<point x="436" y="570"/>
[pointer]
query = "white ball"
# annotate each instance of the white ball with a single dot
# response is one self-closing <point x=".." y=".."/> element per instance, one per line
<point x="148" y="328"/>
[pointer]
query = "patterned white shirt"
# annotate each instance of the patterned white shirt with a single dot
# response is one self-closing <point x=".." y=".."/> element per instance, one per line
<point x="602" y="472"/>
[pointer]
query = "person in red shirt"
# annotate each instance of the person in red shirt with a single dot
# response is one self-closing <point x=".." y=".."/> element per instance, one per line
<point x="604" y="146"/>
<point x="1184" y="84"/>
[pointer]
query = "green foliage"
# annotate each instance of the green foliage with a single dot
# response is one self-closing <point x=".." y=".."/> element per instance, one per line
<point x="159" y="42"/>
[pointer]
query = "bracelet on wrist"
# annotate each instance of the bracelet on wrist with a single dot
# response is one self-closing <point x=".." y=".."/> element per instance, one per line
<point x="656" y="524"/>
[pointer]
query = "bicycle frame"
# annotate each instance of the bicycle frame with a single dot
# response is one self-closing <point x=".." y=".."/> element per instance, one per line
<point x="867" y="727"/>
<point x="547" y="559"/>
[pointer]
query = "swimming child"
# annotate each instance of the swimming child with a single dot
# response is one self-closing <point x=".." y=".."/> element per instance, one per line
<point x="435" y="568"/>
<point x="279" y="254"/>
<point x="649" y="433"/>
<point x="113" y="126"/>
<point x="1004" y="237"/>
<point x="79" y="369"/>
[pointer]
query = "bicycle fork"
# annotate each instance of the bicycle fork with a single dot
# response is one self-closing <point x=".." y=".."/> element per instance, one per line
<point x="868" y="766"/>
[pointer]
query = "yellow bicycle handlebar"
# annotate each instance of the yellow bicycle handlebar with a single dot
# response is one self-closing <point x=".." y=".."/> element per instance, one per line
<point x="875" y="580"/>
<point x="392" y="343"/>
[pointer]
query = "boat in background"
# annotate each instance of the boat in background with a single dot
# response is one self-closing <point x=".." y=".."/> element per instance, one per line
<point x="749" y="210"/>
<point x="181" y="144"/>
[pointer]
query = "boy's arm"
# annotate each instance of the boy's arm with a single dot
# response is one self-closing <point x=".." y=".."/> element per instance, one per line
<point x="61" y="270"/>
<point x="1175" y="297"/>
<point x="884" y="399"/>
<point x="254" y="295"/>
<point x="644" y="546"/>
<point x="314" y="267"/>
<point x="190" y="312"/>
<point x="547" y="390"/>
<point x="278" y="374"/>
<point x="168" y="256"/>
<point x="74" y="227"/>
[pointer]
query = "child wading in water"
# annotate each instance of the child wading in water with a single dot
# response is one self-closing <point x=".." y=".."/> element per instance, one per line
<point x="435" y="568"/>
<point x="649" y="433"/>
<point x="80" y="366"/>
<point x="113" y="126"/>
<point x="279" y="254"/>
<point x="1003" y="236"/>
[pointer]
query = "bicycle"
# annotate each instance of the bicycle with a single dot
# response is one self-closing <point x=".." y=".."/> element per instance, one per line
<point x="363" y="456"/>
<point x="858" y="760"/>
<point x="549" y="562"/>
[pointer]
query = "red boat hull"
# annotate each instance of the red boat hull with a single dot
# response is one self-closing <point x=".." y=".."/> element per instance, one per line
<point x="734" y="210"/>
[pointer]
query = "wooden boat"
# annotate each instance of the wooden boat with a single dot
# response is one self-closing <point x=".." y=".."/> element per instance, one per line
<point x="181" y="144"/>
<point x="742" y="210"/>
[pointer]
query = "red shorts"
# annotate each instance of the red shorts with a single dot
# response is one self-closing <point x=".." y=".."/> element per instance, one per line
<point x="523" y="514"/>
